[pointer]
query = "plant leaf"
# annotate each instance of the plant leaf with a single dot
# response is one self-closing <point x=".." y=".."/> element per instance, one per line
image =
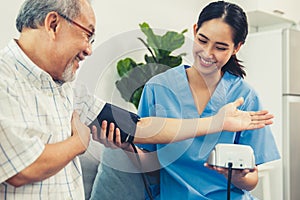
<point x="152" y="39"/>
<point x="137" y="77"/>
<point x="136" y="97"/>
<point x="125" y="65"/>
<point x="171" y="61"/>
<point x="150" y="59"/>
<point x="149" y="49"/>
<point x="170" y="42"/>
<point x="134" y="76"/>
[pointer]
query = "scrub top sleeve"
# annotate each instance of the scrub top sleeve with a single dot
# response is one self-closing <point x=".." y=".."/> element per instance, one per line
<point x="147" y="103"/>
<point x="261" y="140"/>
<point x="146" y="109"/>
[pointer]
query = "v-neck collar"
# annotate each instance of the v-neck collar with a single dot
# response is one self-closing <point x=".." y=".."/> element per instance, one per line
<point x="216" y="101"/>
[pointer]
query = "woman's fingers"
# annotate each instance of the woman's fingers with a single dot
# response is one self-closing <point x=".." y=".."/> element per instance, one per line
<point x="261" y="117"/>
<point x="238" y="102"/>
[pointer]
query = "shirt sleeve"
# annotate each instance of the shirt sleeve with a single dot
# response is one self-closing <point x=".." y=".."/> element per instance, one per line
<point x="20" y="145"/>
<point x="261" y="140"/>
<point x="87" y="104"/>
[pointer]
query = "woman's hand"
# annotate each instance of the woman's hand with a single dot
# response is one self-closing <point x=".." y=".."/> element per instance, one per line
<point x="245" y="179"/>
<point x="237" y="120"/>
<point x="108" y="140"/>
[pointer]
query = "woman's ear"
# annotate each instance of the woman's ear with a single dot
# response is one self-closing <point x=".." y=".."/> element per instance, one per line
<point x="237" y="48"/>
<point x="195" y="27"/>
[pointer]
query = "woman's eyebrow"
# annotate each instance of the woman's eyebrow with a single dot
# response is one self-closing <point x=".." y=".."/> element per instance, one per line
<point x="221" y="43"/>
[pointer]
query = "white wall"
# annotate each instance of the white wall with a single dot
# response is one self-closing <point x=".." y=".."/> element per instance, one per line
<point x="115" y="16"/>
<point x="8" y="13"/>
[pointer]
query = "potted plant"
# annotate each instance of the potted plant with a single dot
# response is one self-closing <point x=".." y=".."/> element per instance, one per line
<point x="135" y="75"/>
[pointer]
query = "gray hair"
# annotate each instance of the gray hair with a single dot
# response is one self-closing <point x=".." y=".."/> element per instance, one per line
<point x="34" y="12"/>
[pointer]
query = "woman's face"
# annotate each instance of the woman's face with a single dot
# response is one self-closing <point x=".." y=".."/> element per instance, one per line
<point x="213" y="46"/>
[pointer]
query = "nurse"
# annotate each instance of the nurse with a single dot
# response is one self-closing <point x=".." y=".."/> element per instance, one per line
<point x="214" y="79"/>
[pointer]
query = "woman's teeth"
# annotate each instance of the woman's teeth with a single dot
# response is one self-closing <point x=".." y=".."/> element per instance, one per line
<point x="207" y="62"/>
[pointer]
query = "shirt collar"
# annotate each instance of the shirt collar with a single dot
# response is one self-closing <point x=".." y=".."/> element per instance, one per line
<point x="28" y="69"/>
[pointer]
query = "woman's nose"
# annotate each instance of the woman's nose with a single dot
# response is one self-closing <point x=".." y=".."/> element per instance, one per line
<point x="208" y="50"/>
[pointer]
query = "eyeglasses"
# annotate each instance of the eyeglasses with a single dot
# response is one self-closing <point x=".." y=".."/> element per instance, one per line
<point x="91" y="35"/>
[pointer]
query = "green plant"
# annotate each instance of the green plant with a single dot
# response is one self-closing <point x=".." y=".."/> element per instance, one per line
<point x="135" y="75"/>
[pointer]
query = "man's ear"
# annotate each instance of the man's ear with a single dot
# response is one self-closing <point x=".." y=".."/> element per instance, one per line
<point x="52" y="21"/>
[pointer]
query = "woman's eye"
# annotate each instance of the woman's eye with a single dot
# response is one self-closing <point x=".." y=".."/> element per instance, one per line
<point x="202" y="41"/>
<point x="221" y="48"/>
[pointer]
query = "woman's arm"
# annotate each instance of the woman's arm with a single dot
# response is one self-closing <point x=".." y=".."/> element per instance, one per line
<point x="165" y="130"/>
<point x="157" y="130"/>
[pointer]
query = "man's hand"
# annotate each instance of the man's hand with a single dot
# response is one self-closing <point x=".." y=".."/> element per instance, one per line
<point x="236" y="120"/>
<point x="81" y="131"/>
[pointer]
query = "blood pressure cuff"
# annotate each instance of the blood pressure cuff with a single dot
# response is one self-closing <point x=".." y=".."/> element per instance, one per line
<point x="124" y="120"/>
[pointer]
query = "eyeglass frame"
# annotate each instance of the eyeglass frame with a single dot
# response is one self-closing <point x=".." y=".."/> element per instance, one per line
<point x="91" y="35"/>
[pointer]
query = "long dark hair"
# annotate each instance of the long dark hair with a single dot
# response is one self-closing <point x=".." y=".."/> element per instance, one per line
<point x="236" y="18"/>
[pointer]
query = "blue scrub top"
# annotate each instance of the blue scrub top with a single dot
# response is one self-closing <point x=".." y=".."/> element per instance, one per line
<point x="183" y="175"/>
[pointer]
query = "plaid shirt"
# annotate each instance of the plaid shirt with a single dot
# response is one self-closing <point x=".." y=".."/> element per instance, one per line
<point x="34" y="111"/>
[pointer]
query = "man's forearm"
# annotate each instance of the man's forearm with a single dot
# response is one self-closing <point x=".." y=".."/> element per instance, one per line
<point x="52" y="160"/>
